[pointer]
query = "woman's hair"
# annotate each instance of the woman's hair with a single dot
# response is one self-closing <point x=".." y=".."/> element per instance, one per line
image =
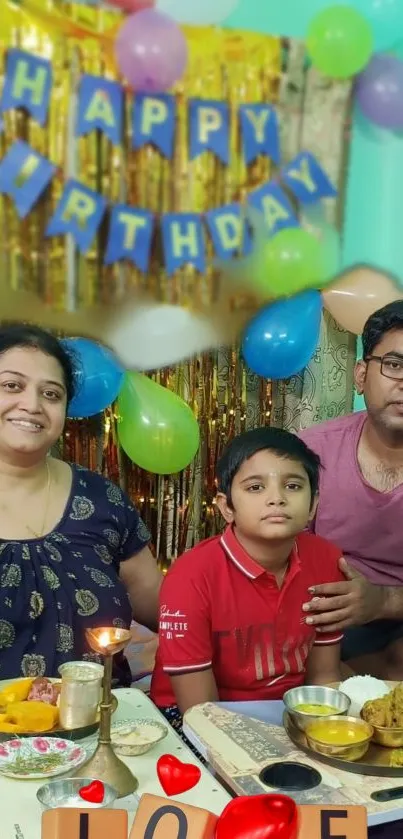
<point x="23" y="335"/>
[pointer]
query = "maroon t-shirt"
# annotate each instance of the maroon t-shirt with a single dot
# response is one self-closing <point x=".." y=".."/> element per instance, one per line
<point x="366" y="524"/>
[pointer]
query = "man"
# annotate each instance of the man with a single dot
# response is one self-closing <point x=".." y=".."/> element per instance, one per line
<point x="361" y="507"/>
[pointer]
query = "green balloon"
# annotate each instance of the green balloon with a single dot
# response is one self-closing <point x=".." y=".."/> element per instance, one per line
<point x="331" y="243"/>
<point x="293" y="260"/>
<point x="156" y="429"/>
<point x="340" y="42"/>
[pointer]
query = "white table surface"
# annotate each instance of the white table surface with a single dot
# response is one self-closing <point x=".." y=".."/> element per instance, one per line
<point x="272" y="712"/>
<point x="20" y="816"/>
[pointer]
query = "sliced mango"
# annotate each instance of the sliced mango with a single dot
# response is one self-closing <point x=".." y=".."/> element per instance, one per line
<point x="32" y="716"/>
<point x="9" y="728"/>
<point x="16" y="692"/>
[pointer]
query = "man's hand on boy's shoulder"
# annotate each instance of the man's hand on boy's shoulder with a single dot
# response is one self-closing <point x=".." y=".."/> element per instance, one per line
<point x="353" y="602"/>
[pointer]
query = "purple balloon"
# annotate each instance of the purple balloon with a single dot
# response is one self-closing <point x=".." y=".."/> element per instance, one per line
<point x="151" y="51"/>
<point x="379" y="91"/>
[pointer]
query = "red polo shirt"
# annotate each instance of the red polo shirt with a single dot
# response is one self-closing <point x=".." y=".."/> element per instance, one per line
<point x="220" y="609"/>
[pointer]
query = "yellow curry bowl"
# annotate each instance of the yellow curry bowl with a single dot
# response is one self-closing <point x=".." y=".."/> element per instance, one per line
<point x="346" y="738"/>
<point x="391" y="738"/>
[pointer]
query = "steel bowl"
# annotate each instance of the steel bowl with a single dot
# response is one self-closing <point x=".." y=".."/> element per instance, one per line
<point x="314" y="695"/>
<point x="346" y="726"/>
<point x="122" y="729"/>
<point x="65" y="793"/>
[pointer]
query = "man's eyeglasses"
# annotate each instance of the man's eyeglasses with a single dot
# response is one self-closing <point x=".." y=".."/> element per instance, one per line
<point x="391" y="365"/>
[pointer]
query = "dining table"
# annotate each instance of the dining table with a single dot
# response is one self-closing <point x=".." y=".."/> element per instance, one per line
<point x="240" y="739"/>
<point x="21" y="813"/>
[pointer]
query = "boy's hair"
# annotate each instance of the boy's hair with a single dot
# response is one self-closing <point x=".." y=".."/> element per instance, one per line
<point x="383" y="321"/>
<point x="282" y="443"/>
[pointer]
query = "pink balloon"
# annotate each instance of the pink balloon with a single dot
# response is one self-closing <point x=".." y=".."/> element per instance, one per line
<point x="131" y="6"/>
<point x="151" y="51"/>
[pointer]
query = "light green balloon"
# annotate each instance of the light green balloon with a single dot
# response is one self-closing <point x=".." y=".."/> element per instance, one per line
<point x="293" y="260"/>
<point x="156" y="429"/>
<point x="340" y="42"/>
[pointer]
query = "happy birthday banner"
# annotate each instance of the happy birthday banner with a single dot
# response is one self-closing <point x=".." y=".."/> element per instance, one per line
<point x="25" y="174"/>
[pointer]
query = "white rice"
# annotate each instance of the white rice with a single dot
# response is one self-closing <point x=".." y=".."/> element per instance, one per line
<point x="361" y="689"/>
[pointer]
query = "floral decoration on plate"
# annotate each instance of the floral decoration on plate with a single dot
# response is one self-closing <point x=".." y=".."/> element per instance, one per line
<point x="39" y="757"/>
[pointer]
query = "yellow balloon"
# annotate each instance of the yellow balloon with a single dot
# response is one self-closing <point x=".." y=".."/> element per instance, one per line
<point x="357" y="294"/>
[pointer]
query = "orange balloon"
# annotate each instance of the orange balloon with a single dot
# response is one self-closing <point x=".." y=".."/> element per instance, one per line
<point x="359" y="293"/>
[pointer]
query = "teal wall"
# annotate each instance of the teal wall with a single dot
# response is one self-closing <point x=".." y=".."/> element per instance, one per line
<point x="374" y="204"/>
<point x="359" y="404"/>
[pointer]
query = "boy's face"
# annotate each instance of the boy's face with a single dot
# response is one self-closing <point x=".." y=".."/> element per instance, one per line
<point x="271" y="498"/>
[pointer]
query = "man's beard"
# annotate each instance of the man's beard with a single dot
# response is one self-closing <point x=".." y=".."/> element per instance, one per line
<point x="390" y="429"/>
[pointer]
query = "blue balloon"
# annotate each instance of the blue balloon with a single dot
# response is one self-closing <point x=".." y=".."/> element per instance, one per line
<point x="282" y="338"/>
<point x="98" y="377"/>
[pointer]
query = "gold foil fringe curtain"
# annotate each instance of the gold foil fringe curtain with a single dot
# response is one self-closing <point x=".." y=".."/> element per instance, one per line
<point x="235" y="67"/>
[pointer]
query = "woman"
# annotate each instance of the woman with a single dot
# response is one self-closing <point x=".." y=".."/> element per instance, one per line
<point x="73" y="550"/>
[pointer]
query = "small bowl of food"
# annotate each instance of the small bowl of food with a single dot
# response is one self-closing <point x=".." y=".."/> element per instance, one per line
<point x="346" y="738"/>
<point x="391" y="738"/>
<point x="65" y="792"/>
<point x="305" y="703"/>
<point x="386" y="717"/>
<point x="137" y="738"/>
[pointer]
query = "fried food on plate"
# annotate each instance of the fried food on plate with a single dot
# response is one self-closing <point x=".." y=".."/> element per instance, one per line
<point x="386" y="712"/>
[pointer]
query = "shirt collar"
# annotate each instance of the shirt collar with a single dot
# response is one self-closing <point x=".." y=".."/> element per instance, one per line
<point x="244" y="562"/>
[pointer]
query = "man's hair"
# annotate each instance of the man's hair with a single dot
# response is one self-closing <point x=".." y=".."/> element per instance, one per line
<point x="383" y="321"/>
<point x="280" y="442"/>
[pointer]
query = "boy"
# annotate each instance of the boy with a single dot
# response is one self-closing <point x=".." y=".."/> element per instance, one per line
<point x="231" y="620"/>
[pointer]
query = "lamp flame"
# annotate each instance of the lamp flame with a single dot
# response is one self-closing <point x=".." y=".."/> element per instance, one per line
<point x="104" y="639"/>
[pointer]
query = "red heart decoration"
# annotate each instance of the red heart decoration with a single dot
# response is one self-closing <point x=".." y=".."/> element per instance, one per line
<point x="94" y="792"/>
<point x="258" y="817"/>
<point x="176" y="777"/>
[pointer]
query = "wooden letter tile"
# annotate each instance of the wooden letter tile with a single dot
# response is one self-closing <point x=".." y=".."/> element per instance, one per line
<point x="328" y="822"/>
<point x="162" y="818"/>
<point x="68" y="823"/>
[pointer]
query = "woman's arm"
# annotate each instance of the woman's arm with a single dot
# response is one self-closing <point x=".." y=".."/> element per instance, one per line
<point x="142" y="578"/>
